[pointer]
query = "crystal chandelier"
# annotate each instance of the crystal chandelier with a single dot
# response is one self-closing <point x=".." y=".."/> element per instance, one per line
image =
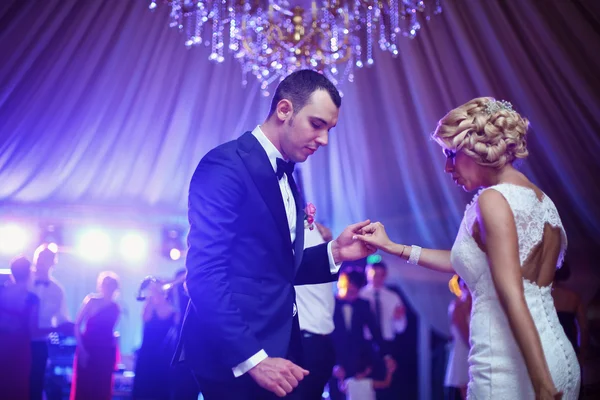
<point x="273" y="38"/>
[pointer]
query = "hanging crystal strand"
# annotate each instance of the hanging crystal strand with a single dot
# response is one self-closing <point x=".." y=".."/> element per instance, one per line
<point x="348" y="75"/>
<point x="414" y="24"/>
<point x="214" y="34"/>
<point x="220" y="16"/>
<point x="383" y="43"/>
<point x="188" y="29"/>
<point x="369" y="36"/>
<point x="233" y="36"/>
<point x="244" y="37"/>
<point x="395" y="28"/>
<point x="357" y="33"/>
<point x="261" y="49"/>
<point x="409" y="12"/>
<point x="175" y="13"/>
<point x="199" y="23"/>
<point x="332" y="59"/>
<point x="241" y="55"/>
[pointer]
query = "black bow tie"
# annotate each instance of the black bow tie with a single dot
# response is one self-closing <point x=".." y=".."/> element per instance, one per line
<point x="41" y="282"/>
<point x="284" y="167"/>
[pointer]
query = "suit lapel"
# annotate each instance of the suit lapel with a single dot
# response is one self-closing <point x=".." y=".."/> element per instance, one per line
<point x="256" y="161"/>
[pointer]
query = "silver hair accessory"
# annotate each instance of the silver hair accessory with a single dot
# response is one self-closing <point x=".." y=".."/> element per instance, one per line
<point x="494" y="106"/>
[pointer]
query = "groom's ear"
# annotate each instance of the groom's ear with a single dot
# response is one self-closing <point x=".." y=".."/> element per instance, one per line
<point x="285" y="109"/>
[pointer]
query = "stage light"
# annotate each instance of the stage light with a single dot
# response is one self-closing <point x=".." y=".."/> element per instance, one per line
<point x="374" y="259"/>
<point x="51" y="234"/>
<point x="175" y="254"/>
<point x="172" y="243"/>
<point x="454" y="286"/>
<point x="13" y="239"/>
<point x="134" y="247"/>
<point x="94" y="245"/>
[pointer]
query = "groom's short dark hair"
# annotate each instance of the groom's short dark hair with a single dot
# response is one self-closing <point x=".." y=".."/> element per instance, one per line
<point x="299" y="86"/>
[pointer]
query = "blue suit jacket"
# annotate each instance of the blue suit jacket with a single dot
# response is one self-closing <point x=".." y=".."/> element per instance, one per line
<point x="242" y="265"/>
<point x="350" y="344"/>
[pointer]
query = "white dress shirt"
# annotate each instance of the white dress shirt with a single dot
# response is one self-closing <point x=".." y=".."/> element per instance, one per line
<point x="53" y="306"/>
<point x="360" y="389"/>
<point x="316" y="303"/>
<point x="290" y="210"/>
<point x="389" y="302"/>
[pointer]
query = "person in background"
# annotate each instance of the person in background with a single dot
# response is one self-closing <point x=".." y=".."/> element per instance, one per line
<point x="315" y="312"/>
<point x="353" y="318"/>
<point x="96" y="351"/>
<point x="153" y="364"/>
<point x="390" y="316"/>
<point x="184" y="386"/>
<point x="457" y="370"/>
<point x="571" y="314"/>
<point x="53" y="315"/>
<point x="571" y="311"/>
<point x="361" y="386"/>
<point x="19" y="309"/>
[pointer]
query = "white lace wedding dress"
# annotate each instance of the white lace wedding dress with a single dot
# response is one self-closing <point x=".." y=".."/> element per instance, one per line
<point x="496" y="366"/>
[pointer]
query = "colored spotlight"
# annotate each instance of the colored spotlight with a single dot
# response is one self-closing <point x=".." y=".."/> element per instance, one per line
<point x="94" y="245"/>
<point x="134" y="247"/>
<point x="175" y="254"/>
<point x="13" y="239"/>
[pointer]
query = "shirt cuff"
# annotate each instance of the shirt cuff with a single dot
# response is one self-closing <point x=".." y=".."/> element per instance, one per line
<point x="333" y="267"/>
<point x="250" y="363"/>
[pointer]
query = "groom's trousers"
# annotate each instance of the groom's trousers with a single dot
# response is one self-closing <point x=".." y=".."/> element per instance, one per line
<point x="319" y="359"/>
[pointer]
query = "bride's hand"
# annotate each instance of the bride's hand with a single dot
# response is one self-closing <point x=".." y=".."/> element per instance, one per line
<point x="548" y="392"/>
<point x="375" y="235"/>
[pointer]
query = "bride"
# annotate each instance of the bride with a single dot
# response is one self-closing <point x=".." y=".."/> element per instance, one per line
<point x="509" y="244"/>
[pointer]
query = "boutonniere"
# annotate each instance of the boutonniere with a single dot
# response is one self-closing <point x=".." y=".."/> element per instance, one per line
<point x="309" y="216"/>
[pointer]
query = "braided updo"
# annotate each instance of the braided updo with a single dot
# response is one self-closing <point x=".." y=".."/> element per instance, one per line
<point x="492" y="136"/>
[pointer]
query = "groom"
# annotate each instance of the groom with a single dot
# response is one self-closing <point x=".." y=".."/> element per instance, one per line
<point x="241" y="335"/>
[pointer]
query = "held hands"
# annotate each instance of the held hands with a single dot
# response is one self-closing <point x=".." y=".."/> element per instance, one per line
<point x="277" y="375"/>
<point x="346" y="248"/>
<point x="375" y="236"/>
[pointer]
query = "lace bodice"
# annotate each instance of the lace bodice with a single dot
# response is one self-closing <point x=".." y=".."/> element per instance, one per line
<point x="531" y="215"/>
<point x="497" y="368"/>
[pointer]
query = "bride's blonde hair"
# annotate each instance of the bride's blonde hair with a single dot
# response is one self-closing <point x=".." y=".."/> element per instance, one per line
<point x="487" y="130"/>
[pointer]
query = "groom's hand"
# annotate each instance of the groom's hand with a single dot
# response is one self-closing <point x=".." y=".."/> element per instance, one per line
<point x="346" y="248"/>
<point x="277" y="375"/>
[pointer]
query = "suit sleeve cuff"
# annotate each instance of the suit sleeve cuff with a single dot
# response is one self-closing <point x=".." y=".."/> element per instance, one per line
<point x="250" y="363"/>
<point x="333" y="267"/>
